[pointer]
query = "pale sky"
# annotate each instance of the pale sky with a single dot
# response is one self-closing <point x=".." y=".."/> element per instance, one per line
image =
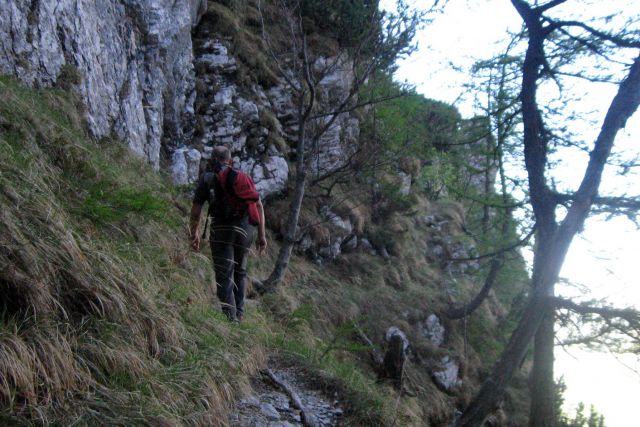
<point x="606" y="255"/>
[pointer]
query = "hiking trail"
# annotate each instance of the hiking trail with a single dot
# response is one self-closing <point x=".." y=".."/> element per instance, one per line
<point x="283" y="397"/>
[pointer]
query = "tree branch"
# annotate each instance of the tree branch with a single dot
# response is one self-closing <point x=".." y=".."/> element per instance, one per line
<point x="543" y="8"/>
<point x="624" y="104"/>
<point x="467" y="309"/>
<point x="629" y="314"/>
<point x="616" y="202"/>
<point x="511" y="247"/>
<point x="617" y="40"/>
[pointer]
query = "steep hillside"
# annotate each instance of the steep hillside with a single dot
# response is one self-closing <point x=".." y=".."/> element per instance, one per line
<point x="109" y="318"/>
<point x="107" y="314"/>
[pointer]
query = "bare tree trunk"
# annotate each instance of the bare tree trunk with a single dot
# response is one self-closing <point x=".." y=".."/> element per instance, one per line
<point x="493" y="387"/>
<point x="295" y="205"/>
<point x="542" y="411"/>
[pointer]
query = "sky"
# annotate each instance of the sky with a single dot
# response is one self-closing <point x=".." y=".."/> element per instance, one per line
<point x="604" y="257"/>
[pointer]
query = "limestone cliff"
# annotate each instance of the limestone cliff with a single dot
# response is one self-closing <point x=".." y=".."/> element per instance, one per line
<point x="133" y="60"/>
<point x="159" y="75"/>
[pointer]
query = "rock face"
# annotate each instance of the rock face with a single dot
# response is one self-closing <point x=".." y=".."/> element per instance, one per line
<point x="185" y="165"/>
<point x="236" y="115"/>
<point x="449" y="245"/>
<point x="259" y="123"/>
<point x="131" y="61"/>
<point x="157" y="74"/>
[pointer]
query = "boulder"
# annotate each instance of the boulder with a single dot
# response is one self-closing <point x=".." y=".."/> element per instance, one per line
<point x="269" y="411"/>
<point x="349" y="244"/>
<point x="405" y="183"/>
<point x="270" y="177"/>
<point x="446" y="377"/>
<point x="332" y="250"/>
<point x="395" y="331"/>
<point x="185" y="165"/>
<point x="342" y="224"/>
<point x="432" y="329"/>
<point x="395" y="356"/>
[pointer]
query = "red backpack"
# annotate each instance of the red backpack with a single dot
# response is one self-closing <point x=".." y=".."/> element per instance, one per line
<point x="225" y="205"/>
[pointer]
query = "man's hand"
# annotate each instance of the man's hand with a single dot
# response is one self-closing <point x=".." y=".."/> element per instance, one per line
<point x="261" y="244"/>
<point x="194" y="226"/>
<point x="195" y="242"/>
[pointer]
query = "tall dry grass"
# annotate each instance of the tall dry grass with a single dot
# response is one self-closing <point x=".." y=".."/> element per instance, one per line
<point x="104" y="312"/>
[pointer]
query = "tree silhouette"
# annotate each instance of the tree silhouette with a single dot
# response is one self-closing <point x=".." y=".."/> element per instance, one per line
<point x="555" y="50"/>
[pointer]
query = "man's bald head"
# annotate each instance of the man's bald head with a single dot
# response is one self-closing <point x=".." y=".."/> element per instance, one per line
<point x="221" y="153"/>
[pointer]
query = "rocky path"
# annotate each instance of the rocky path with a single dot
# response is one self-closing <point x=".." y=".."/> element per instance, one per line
<point x="279" y="395"/>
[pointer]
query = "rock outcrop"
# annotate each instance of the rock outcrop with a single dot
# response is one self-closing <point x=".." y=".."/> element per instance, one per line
<point x="432" y="329"/>
<point x="159" y="75"/>
<point x="131" y="61"/>
<point x="446" y="376"/>
<point x="257" y="120"/>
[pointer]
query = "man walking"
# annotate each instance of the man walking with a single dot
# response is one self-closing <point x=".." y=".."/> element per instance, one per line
<point x="235" y="210"/>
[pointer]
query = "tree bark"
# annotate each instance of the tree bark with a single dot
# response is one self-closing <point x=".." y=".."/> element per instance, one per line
<point x="295" y="205"/>
<point x="542" y="411"/>
<point x="492" y="390"/>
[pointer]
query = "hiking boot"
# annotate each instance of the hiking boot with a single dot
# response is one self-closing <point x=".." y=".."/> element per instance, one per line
<point x="240" y="317"/>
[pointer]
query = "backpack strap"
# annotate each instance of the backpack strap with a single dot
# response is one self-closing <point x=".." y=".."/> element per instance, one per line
<point x="231" y="180"/>
<point x="224" y="202"/>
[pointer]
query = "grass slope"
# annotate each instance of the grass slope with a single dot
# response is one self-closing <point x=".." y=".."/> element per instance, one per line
<point x="107" y="316"/>
<point x="104" y="313"/>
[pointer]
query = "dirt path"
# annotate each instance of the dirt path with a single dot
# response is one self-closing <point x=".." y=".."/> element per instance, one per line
<point x="271" y="406"/>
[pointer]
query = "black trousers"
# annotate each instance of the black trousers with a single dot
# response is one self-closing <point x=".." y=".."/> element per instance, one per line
<point x="230" y="245"/>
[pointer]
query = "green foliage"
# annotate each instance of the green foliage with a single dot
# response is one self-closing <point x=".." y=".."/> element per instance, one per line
<point x="68" y="77"/>
<point x="408" y="123"/>
<point x="236" y="19"/>
<point x="115" y="326"/>
<point x="578" y="419"/>
<point x="367" y="404"/>
<point x="343" y="339"/>
<point x="391" y="201"/>
<point x="106" y="203"/>
<point x="482" y="338"/>
<point x="300" y="316"/>
<point x="438" y="176"/>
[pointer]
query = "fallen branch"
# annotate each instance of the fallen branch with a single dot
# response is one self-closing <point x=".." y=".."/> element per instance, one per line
<point x="376" y="358"/>
<point x="307" y="418"/>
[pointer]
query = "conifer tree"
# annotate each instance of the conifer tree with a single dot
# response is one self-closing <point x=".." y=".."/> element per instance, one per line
<point x="555" y="50"/>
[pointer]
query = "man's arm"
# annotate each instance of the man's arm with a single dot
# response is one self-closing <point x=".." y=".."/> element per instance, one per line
<point x="194" y="226"/>
<point x="261" y="243"/>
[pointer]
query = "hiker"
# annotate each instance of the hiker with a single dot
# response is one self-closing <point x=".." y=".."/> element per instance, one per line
<point x="235" y="210"/>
